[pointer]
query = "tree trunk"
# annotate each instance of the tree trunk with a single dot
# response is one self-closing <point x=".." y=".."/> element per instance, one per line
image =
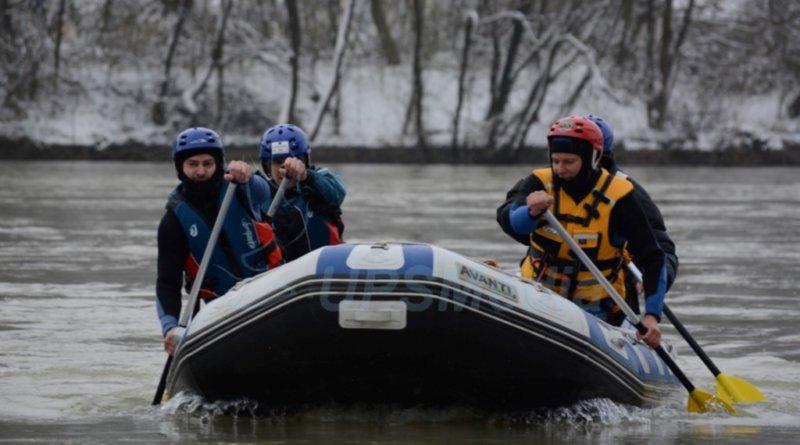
<point x="294" y="31"/>
<point x="190" y="95"/>
<point x="384" y="33"/>
<point x="505" y="81"/>
<point x="217" y="56"/>
<point x="650" y="49"/>
<point x="793" y="109"/>
<point x="105" y="16"/>
<point x="469" y="24"/>
<point x="494" y="66"/>
<point x="62" y="4"/>
<point x="339" y="52"/>
<point x="538" y="92"/>
<point x="669" y="52"/>
<point x="5" y="17"/>
<point x="336" y="113"/>
<point x="159" y="108"/>
<point x="623" y="52"/>
<point x="415" y="111"/>
<point x="7" y="33"/>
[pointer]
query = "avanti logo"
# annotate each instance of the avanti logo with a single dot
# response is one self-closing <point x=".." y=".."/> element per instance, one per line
<point x="193" y="231"/>
<point x="492" y="284"/>
<point x="248" y="234"/>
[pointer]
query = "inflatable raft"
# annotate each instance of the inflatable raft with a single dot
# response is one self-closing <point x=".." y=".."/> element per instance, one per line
<point x="407" y="324"/>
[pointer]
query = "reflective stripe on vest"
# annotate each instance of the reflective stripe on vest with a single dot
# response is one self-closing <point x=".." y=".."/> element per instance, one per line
<point x="250" y="247"/>
<point x="549" y="259"/>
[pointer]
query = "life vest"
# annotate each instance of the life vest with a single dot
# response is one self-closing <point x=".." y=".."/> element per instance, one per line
<point x="246" y="247"/>
<point x="550" y="259"/>
<point x="303" y="225"/>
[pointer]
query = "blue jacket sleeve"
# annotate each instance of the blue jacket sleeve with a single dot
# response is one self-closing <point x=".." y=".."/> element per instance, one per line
<point x="514" y="208"/>
<point x="521" y="220"/>
<point x="328" y="184"/>
<point x="167" y="321"/>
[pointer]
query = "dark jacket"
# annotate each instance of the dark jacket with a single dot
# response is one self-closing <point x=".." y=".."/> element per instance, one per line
<point x="174" y="249"/>
<point x="654" y="218"/>
<point x="310" y="214"/>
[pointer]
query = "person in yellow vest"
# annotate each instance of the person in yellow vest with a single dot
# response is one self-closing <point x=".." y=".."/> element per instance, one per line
<point x="601" y="213"/>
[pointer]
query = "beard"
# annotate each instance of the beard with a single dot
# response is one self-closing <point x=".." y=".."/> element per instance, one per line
<point x="204" y="195"/>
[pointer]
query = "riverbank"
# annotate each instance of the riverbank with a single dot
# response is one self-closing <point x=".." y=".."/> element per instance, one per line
<point x="136" y="151"/>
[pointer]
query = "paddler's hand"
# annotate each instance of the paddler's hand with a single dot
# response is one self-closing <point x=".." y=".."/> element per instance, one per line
<point x="172" y="339"/>
<point x="239" y="171"/>
<point x="538" y="202"/>
<point x="295" y="168"/>
<point x="653" y="335"/>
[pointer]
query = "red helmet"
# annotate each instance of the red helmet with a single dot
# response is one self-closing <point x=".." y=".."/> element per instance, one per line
<point x="579" y="127"/>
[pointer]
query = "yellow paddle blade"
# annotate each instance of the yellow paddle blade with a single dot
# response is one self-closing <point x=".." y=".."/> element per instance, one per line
<point x="737" y="389"/>
<point x="704" y="402"/>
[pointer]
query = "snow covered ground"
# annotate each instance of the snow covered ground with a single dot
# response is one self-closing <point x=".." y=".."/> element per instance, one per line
<point x="112" y="109"/>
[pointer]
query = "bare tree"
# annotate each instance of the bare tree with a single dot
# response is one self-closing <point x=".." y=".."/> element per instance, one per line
<point x="503" y="84"/>
<point x="216" y="56"/>
<point x="415" y="110"/>
<point x="469" y="24"/>
<point x="668" y="57"/>
<point x="338" y="57"/>
<point x="294" y="31"/>
<point x="216" y="64"/>
<point x="59" y="29"/>
<point x="159" y="108"/>
<point x="23" y="47"/>
<point x="387" y="41"/>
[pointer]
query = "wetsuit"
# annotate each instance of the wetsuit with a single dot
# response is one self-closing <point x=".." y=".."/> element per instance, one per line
<point x="191" y="212"/>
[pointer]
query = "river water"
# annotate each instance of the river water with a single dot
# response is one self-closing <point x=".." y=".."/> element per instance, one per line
<point x="81" y="354"/>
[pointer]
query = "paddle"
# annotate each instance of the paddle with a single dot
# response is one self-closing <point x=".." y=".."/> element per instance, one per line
<point x="273" y="207"/>
<point x="186" y="313"/>
<point x="729" y="387"/>
<point x="699" y="401"/>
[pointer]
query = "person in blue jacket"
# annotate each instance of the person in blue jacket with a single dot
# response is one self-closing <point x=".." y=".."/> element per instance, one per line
<point x="310" y="214"/>
<point x="246" y="246"/>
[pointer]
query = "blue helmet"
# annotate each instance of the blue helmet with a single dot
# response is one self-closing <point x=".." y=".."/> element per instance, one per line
<point x="608" y="133"/>
<point x="197" y="139"/>
<point x="282" y="141"/>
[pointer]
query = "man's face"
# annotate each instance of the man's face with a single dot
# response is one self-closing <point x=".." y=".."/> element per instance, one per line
<point x="276" y="166"/>
<point x="199" y="168"/>
<point x="566" y="165"/>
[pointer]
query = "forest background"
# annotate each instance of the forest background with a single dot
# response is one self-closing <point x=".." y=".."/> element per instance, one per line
<point x="441" y="80"/>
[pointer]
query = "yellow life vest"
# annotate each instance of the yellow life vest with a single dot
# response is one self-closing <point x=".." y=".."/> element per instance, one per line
<point x="549" y="258"/>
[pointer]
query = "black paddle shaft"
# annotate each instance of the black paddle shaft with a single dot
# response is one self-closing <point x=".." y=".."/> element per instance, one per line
<point x="162" y="384"/>
<point x="668" y="360"/>
<point x="689" y="339"/>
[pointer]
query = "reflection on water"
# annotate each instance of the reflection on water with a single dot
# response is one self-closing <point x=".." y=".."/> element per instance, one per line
<point x="81" y="353"/>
